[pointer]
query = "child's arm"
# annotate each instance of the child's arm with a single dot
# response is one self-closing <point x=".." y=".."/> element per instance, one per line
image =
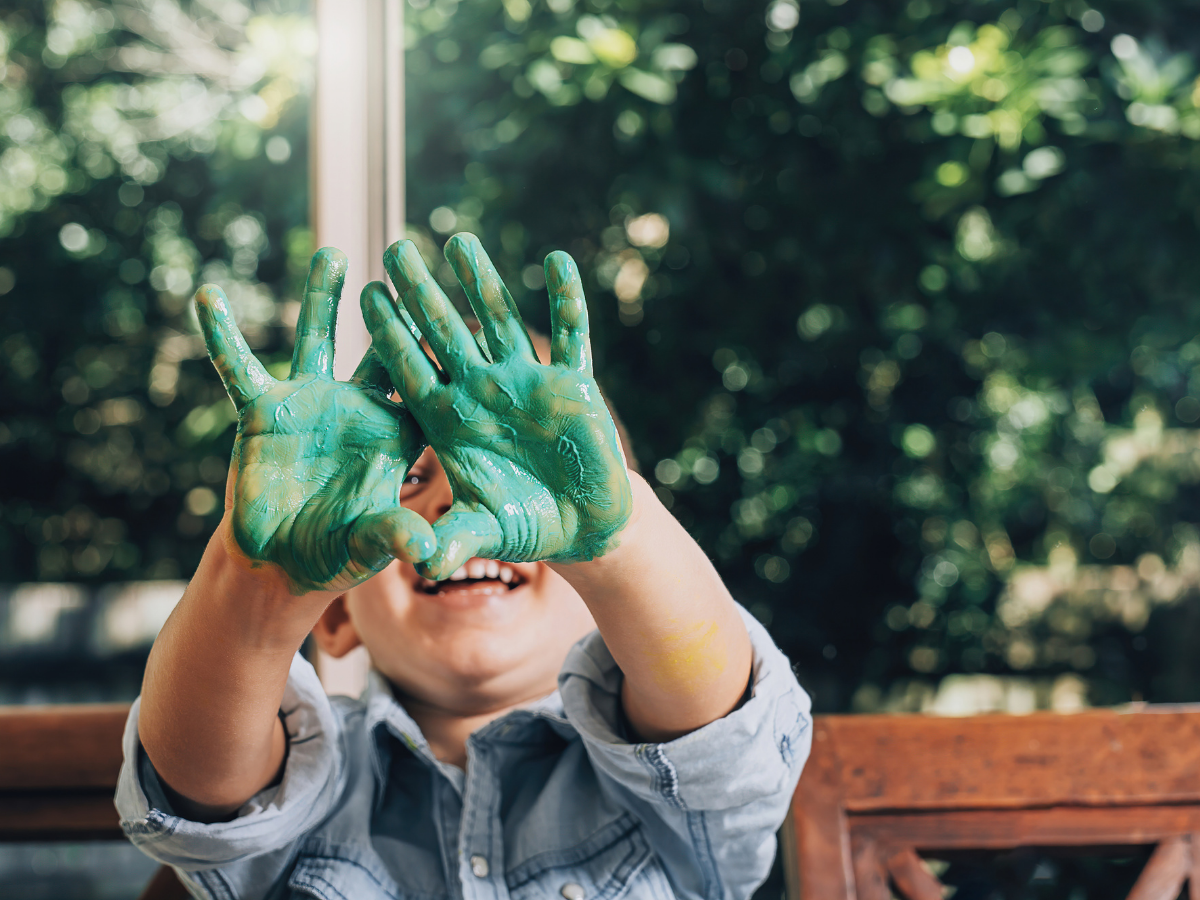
<point x="209" y="715"/>
<point x="668" y="621"/>
<point x="537" y="473"/>
<point x="311" y="509"/>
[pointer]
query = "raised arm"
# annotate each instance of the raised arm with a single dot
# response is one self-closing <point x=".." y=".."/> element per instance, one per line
<point x="668" y="620"/>
<point x="537" y="474"/>
<point x="311" y="509"/>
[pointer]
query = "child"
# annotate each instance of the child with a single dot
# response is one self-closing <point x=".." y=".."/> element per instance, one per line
<point x="504" y="746"/>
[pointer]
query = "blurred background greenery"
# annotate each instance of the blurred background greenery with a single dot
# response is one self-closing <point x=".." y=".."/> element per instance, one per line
<point x="898" y="300"/>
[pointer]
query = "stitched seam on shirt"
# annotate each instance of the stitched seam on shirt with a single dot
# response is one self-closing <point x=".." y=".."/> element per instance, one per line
<point x="632" y="863"/>
<point x="628" y="868"/>
<point x="310" y="879"/>
<point x="639" y="753"/>
<point x="702" y="844"/>
<point x="664" y="778"/>
<point x="470" y="793"/>
<point x="493" y="820"/>
<point x="379" y="766"/>
<point x="602" y="840"/>
<point x="216" y="884"/>
<point x="449" y="852"/>
<point x="805" y="722"/>
<point x="438" y="824"/>
<point x="310" y="885"/>
<point x="156" y="826"/>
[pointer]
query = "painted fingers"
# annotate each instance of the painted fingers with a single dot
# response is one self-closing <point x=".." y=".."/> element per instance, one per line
<point x="243" y="376"/>
<point x="412" y="372"/>
<point x="499" y="318"/>
<point x="372" y="374"/>
<point x="461" y="533"/>
<point x="447" y="334"/>
<point x="378" y="538"/>
<point x="570" y="341"/>
<point x="500" y="321"/>
<point x="318" y="314"/>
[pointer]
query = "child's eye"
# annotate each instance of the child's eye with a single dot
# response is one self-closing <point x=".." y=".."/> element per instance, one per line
<point x="413" y="483"/>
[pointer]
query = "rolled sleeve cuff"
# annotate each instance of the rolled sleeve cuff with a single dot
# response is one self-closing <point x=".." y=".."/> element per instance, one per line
<point x="755" y="751"/>
<point x="268" y="821"/>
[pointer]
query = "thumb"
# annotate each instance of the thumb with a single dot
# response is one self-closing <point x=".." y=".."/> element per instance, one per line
<point x="461" y="534"/>
<point x="378" y="538"/>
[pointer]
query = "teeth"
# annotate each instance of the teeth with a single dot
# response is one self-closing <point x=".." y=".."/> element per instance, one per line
<point x="475" y="569"/>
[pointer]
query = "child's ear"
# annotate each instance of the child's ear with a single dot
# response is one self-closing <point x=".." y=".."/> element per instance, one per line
<point x="334" y="632"/>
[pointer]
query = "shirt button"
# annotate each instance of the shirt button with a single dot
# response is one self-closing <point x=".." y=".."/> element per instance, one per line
<point x="479" y="867"/>
<point x="573" y="891"/>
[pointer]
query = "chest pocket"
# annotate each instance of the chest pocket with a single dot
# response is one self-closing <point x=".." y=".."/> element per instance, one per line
<point x="337" y="872"/>
<point x="605" y="867"/>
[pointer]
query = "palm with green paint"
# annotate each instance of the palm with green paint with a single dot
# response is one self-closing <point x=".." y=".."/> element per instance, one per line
<point x="319" y="462"/>
<point x="530" y="450"/>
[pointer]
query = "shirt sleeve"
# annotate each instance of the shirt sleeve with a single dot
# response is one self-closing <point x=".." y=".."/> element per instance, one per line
<point x="713" y="799"/>
<point x="244" y="856"/>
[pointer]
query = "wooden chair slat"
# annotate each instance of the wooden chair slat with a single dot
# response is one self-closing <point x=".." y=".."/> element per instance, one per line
<point x="911" y="877"/>
<point x="893" y="787"/>
<point x="817" y="825"/>
<point x="930" y="832"/>
<point x="1101" y="758"/>
<point x="870" y="874"/>
<point x="877" y="791"/>
<point x="1165" y="871"/>
<point x="58" y="772"/>
<point x="1194" y="874"/>
<point x="61" y="747"/>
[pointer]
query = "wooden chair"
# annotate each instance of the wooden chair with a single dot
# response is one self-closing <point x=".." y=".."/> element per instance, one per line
<point x="879" y="792"/>
<point x="58" y="773"/>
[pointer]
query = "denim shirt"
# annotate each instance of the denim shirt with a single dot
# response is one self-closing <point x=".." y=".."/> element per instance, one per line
<point x="555" y="801"/>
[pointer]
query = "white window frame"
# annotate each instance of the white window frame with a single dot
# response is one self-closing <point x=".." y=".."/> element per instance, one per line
<point x="357" y="185"/>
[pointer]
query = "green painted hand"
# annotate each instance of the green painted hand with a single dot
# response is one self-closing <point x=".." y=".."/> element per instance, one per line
<point x="319" y="462"/>
<point x="530" y="450"/>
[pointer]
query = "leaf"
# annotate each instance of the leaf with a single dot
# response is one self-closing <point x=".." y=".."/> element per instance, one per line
<point x="652" y="87"/>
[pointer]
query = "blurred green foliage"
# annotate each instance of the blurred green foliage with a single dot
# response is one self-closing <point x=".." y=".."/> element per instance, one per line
<point x="144" y="148"/>
<point x="897" y="300"/>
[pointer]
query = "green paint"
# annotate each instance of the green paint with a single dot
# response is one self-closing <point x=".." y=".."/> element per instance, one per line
<point x="319" y="462"/>
<point x="530" y="450"/>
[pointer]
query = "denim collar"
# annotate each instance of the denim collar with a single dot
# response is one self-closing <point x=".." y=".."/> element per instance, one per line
<point x="384" y="711"/>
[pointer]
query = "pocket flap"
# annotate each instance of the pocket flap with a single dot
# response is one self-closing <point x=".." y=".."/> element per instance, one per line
<point x="337" y="873"/>
<point x="602" y="868"/>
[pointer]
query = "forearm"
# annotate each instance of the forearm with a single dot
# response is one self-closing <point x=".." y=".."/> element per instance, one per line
<point x="668" y="620"/>
<point x="215" y="679"/>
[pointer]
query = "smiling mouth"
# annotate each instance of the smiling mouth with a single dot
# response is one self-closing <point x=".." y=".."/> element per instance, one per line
<point x="484" y="575"/>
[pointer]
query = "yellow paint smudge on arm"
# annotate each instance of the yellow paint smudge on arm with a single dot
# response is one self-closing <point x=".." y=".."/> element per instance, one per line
<point x="691" y="659"/>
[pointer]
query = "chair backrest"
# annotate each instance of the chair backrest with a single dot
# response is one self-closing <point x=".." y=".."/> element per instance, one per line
<point x="58" y="773"/>
<point x="880" y="791"/>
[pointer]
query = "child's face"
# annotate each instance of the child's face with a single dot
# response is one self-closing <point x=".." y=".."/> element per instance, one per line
<point x="494" y="638"/>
